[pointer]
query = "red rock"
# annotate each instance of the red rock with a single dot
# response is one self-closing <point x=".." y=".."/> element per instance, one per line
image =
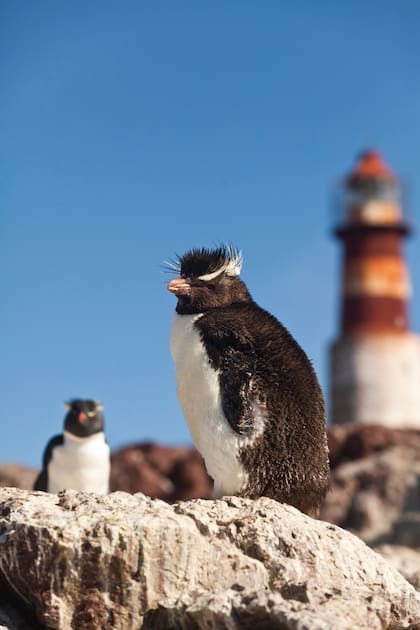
<point x="351" y="442"/>
<point x="163" y="472"/>
<point x="17" y="476"/>
<point x="375" y="483"/>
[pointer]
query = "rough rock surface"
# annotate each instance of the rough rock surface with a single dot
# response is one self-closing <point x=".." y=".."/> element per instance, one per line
<point x="83" y="561"/>
<point x="375" y="484"/>
<point x="405" y="560"/>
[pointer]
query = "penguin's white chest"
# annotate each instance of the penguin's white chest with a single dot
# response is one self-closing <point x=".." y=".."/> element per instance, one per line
<point x="199" y="395"/>
<point x="80" y="464"/>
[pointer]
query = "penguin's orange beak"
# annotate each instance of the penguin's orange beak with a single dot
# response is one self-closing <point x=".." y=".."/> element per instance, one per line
<point x="179" y="286"/>
<point x="82" y="417"/>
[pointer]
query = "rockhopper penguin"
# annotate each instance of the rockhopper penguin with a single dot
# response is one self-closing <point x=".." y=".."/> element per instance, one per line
<point x="79" y="458"/>
<point x="248" y="391"/>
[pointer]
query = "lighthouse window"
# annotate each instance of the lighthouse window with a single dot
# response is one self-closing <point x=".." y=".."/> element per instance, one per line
<point x="373" y="189"/>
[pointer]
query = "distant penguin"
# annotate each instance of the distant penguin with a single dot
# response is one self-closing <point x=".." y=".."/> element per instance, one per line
<point x="78" y="458"/>
<point x="248" y="391"/>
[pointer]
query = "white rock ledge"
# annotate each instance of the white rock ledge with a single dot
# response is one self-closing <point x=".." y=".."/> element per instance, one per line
<point x="83" y="561"/>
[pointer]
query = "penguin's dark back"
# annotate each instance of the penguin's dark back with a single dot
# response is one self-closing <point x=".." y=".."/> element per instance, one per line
<point x="290" y="459"/>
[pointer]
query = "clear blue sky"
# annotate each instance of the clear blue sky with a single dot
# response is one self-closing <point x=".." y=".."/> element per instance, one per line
<point x="131" y="131"/>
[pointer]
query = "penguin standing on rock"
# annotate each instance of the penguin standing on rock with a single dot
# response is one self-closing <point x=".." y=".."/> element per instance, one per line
<point x="78" y="458"/>
<point x="248" y="391"/>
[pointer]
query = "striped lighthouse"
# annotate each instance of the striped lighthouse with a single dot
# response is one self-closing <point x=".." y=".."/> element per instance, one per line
<point x="375" y="363"/>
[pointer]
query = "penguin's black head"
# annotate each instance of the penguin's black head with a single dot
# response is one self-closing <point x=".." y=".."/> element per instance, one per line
<point x="209" y="278"/>
<point x="84" y="417"/>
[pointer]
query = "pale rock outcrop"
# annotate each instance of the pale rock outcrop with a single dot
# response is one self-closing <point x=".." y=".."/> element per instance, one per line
<point x="405" y="560"/>
<point x="82" y="561"/>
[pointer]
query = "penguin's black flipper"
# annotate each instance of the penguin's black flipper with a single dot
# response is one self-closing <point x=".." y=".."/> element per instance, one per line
<point x="41" y="482"/>
<point x="234" y="357"/>
<point x="57" y="440"/>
